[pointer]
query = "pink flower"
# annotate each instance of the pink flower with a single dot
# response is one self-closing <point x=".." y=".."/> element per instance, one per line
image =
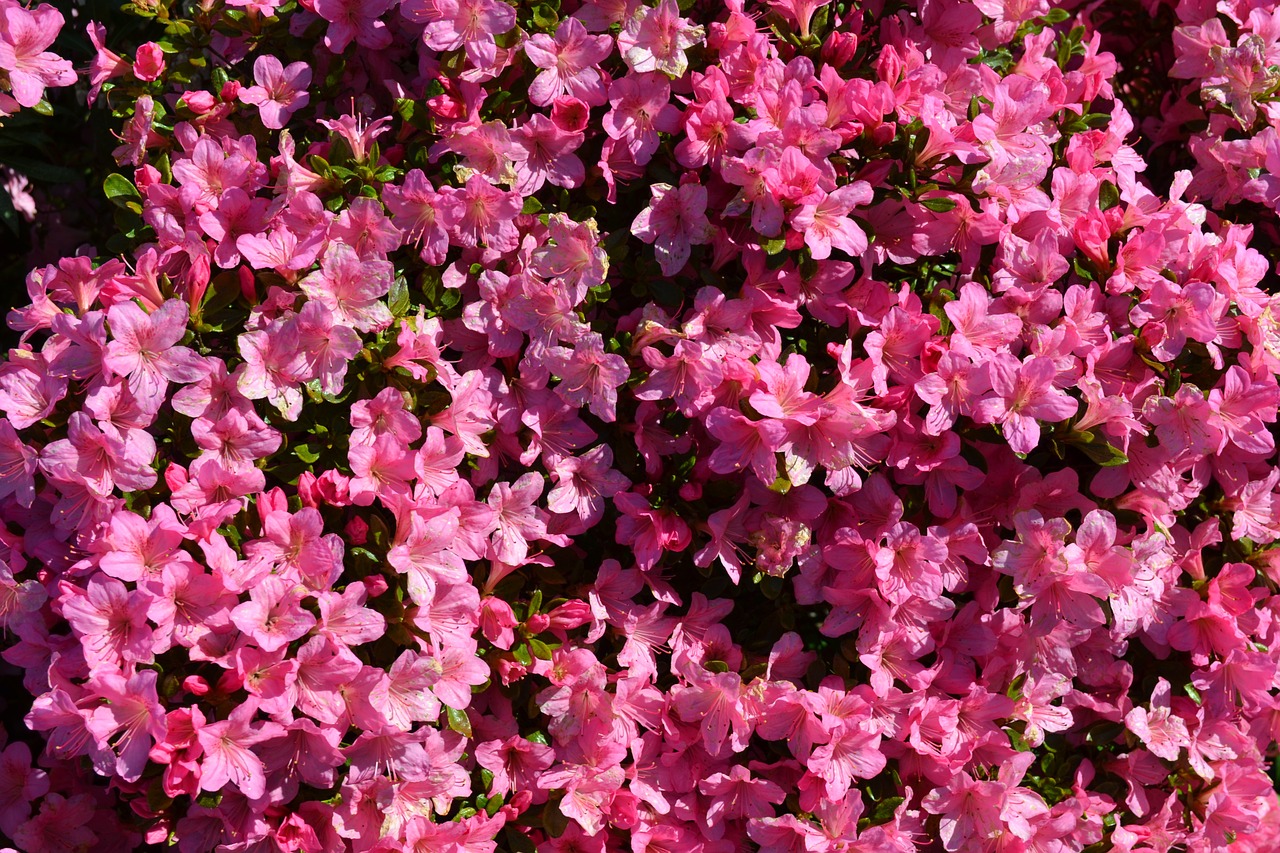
<point x="404" y="696"/>
<point x="589" y="375"/>
<point x="826" y="224"/>
<point x="514" y="762"/>
<point x="21" y="784"/>
<point x="674" y="221"/>
<point x="18" y="463"/>
<point x="1163" y="732"/>
<point x="583" y="482"/>
<point x="274" y="617"/>
<point x="105" y="64"/>
<point x="640" y="108"/>
<point x="61" y="825"/>
<point x="423" y="550"/>
<point x="381" y="469"/>
<point x="736" y="795"/>
<point x="132" y="716"/>
<point x="518" y="521"/>
<point x="656" y="38"/>
<point x="413" y="209"/>
<point x="103" y="459"/>
<point x="351" y="288"/>
<point x="543" y="153"/>
<point x="569" y="63"/>
<point x="458" y="669"/>
<point x="467" y="24"/>
<point x="228" y="757"/>
<point x="144" y="348"/>
<point x="1023" y="392"/>
<point x="24" y="35"/>
<point x="650" y="532"/>
<point x="110" y="622"/>
<point x="356" y="20"/>
<point x="273" y="366"/>
<point x="481" y="213"/>
<point x="280" y="91"/>
<point x="148" y="63"/>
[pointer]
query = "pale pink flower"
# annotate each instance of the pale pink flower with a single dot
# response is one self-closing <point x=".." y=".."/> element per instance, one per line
<point x="656" y="38"/>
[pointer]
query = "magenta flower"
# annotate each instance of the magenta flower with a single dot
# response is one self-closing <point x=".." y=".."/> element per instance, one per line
<point x="148" y="63"/>
<point x="279" y="91"/>
<point x="354" y="20"/>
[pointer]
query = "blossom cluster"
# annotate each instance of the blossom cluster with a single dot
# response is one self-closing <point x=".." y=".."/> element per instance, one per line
<point x="607" y="425"/>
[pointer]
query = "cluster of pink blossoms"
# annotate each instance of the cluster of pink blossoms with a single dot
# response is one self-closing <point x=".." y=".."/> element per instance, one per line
<point x="645" y="426"/>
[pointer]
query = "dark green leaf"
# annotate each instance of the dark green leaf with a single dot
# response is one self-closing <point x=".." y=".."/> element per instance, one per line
<point x="1108" y="195"/>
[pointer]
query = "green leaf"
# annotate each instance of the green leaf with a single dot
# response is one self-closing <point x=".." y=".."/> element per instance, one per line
<point x="531" y="206"/>
<point x="1108" y="195"/>
<point x="540" y="649"/>
<point x="1103" y="454"/>
<point x="306" y="454"/>
<point x="521" y="654"/>
<point x="938" y="205"/>
<point x="120" y="191"/>
<point x="544" y="17"/>
<point x="400" y="301"/>
<point x="459" y="722"/>
<point x="775" y="246"/>
<point x="884" y="810"/>
<point x="1057" y="16"/>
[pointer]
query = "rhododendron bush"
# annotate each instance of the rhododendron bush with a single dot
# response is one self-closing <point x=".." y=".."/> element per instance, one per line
<point x="641" y="425"/>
